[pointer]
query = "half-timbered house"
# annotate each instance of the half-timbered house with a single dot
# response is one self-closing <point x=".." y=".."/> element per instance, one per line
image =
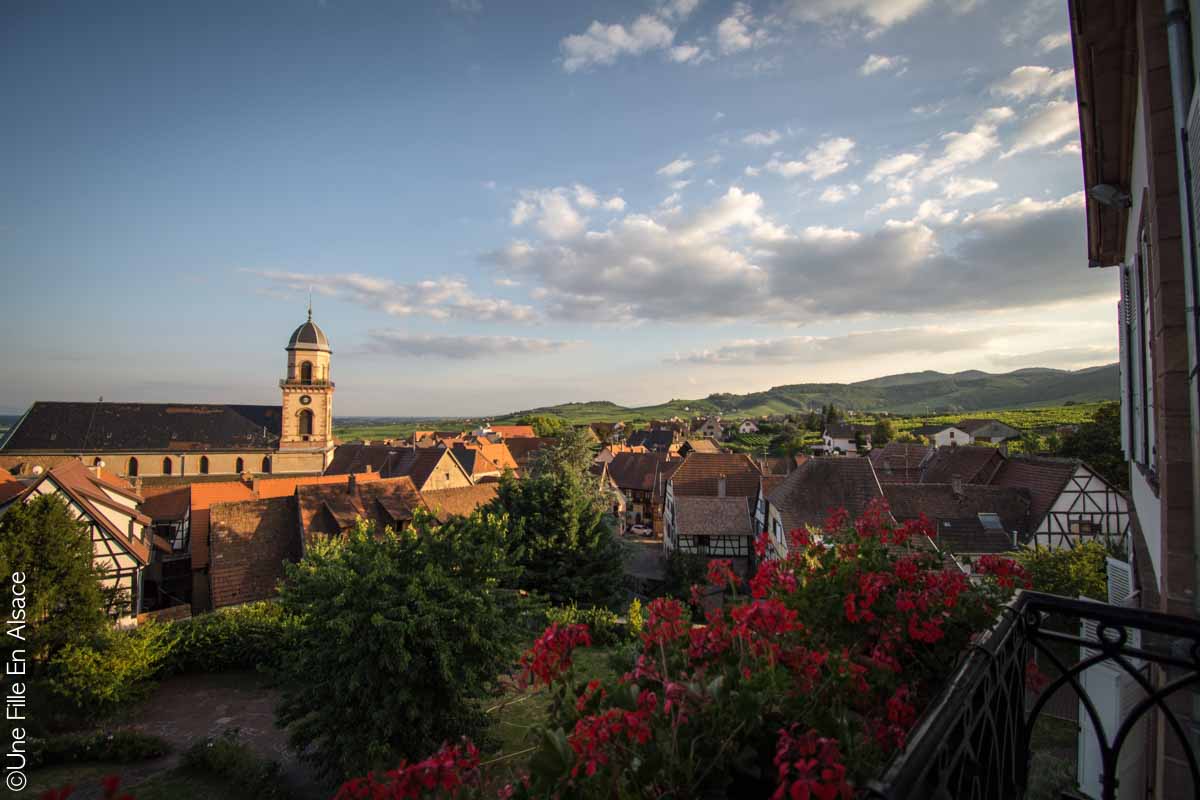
<point x="1071" y="502"/>
<point x="709" y="506"/>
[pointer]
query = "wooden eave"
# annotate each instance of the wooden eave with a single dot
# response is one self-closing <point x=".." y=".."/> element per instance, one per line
<point x="1104" y="48"/>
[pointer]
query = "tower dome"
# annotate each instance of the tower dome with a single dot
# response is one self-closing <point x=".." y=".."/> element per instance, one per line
<point x="309" y="337"/>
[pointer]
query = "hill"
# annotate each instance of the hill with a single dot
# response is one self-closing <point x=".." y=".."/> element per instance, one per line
<point x="926" y="392"/>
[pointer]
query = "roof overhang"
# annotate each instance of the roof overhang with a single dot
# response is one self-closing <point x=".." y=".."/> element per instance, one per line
<point x="1104" y="48"/>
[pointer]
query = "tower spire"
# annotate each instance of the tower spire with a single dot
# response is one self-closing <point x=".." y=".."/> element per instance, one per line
<point x="310" y="304"/>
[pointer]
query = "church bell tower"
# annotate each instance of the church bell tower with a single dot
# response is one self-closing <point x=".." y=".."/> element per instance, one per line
<point x="308" y="394"/>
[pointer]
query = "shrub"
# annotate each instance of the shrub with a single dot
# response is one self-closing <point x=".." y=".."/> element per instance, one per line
<point x="244" y="637"/>
<point x="119" y="746"/>
<point x="804" y="688"/>
<point x="226" y="757"/>
<point x="95" y="678"/>
<point x="634" y="617"/>
<point x="605" y="626"/>
<point x="399" y="634"/>
<point x="1068" y="572"/>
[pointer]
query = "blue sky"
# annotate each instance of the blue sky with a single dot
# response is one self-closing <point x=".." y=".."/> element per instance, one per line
<point x="500" y="205"/>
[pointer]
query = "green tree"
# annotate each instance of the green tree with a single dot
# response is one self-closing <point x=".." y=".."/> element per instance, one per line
<point x="860" y="441"/>
<point x="545" y="424"/>
<point x="571" y="455"/>
<point x="399" y="634"/>
<point x="681" y="571"/>
<point x="883" y="432"/>
<point x="1068" y="572"/>
<point x="1099" y="444"/>
<point x="66" y="602"/>
<point x="561" y="534"/>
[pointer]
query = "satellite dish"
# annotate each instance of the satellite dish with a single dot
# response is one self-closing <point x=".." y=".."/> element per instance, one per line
<point x="37" y="470"/>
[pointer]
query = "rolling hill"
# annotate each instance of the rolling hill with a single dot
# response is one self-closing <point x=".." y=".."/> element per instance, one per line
<point x="926" y="392"/>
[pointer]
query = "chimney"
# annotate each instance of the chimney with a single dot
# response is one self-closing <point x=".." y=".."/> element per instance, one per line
<point x="351" y="484"/>
<point x="956" y="485"/>
<point x="720" y="486"/>
<point x="1004" y="448"/>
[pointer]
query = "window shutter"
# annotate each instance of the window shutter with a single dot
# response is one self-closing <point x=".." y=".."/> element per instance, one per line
<point x="1192" y="143"/>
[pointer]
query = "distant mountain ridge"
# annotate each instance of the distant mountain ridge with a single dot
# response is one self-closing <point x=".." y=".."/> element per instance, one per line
<point x="926" y="392"/>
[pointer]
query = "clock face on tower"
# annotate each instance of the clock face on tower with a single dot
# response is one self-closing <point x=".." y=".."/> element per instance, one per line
<point x="305" y="399"/>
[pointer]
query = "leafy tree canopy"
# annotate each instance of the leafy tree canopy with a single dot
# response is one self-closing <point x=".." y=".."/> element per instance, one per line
<point x="545" y="424"/>
<point x="398" y="634"/>
<point x="883" y="432"/>
<point x="1068" y="572"/>
<point x="1099" y="444"/>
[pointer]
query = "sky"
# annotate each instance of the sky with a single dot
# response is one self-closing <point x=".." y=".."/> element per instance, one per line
<point x="501" y="205"/>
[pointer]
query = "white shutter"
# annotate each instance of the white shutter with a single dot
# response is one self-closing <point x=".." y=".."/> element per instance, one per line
<point x="1120" y="593"/>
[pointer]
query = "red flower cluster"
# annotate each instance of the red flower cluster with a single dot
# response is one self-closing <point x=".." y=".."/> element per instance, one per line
<point x="721" y="574"/>
<point x="901" y="714"/>
<point x="596" y="736"/>
<point x="1006" y="571"/>
<point x="809" y="767"/>
<point x="443" y="774"/>
<point x="550" y="655"/>
<point x="664" y="622"/>
<point x="108" y="785"/>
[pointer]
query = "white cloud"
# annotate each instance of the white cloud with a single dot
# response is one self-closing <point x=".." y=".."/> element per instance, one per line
<point x="957" y="188"/>
<point x="929" y="109"/>
<point x="718" y="116"/>
<point x="829" y="157"/>
<point x="893" y="165"/>
<point x="683" y="53"/>
<point x="895" y="201"/>
<point x="877" y="63"/>
<point x="1070" y="149"/>
<point x="585" y="197"/>
<point x="830" y="349"/>
<point x="602" y="44"/>
<point x="551" y="211"/>
<point x="676" y="167"/>
<point x="615" y="204"/>
<point x="1049" y="124"/>
<point x="1025" y="82"/>
<point x="740" y="31"/>
<point x="1053" y="41"/>
<point x="393" y="342"/>
<point x="932" y="212"/>
<point x="872" y="16"/>
<point x="679" y="9"/>
<point x="1058" y="357"/>
<point x="1025" y="207"/>
<point x="752" y="172"/>
<point x="838" y="193"/>
<point x="677" y="185"/>
<point x="966" y="147"/>
<point x="762" y="138"/>
<point x="441" y="299"/>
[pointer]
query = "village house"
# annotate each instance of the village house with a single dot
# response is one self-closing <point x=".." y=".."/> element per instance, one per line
<point x="942" y="435"/>
<point x="429" y="467"/>
<point x="988" y="431"/>
<point x="189" y="439"/>
<point x="609" y="452"/>
<point x="634" y="474"/>
<point x="747" y="426"/>
<point x="708" y="508"/>
<point x="967" y="464"/>
<point x="969" y="520"/>
<point x="122" y="537"/>
<point x="710" y="428"/>
<point x="659" y="440"/>
<point x="697" y="445"/>
<point x="843" y="437"/>
<point x="804" y="498"/>
<point x="524" y="450"/>
<point x="899" y="462"/>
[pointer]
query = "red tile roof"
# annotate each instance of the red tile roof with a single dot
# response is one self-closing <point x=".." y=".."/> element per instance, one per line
<point x="329" y="510"/>
<point x="968" y="463"/>
<point x="10" y="487"/>
<point x="461" y="501"/>
<point x="699" y="475"/>
<point x="514" y="431"/>
<point x="634" y="472"/>
<point x="1045" y="478"/>
<point x="820" y="485"/>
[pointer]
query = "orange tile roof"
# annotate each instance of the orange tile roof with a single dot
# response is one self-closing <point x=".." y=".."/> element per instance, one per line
<point x="282" y="487"/>
<point x="203" y="496"/>
<point x="514" y="431"/>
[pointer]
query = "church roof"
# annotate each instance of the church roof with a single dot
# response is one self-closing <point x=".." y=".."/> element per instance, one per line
<point x="143" y="427"/>
<point x="309" y="337"/>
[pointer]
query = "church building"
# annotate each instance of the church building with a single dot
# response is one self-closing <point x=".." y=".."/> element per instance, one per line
<point x="188" y="439"/>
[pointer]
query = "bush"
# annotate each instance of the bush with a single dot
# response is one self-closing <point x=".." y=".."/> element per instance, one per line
<point x="1068" y="572"/>
<point x="605" y="626"/>
<point x="634" y="618"/>
<point x="93" y="679"/>
<point x="227" y="758"/>
<point x="121" y="747"/>
<point x="400" y="633"/>
<point x="244" y="637"/>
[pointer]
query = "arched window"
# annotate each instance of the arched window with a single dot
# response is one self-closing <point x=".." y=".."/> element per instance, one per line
<point x="306" y="372"/>
<point x="306" y="422"/>
<point x="203" y="465"/>
<point x="167" y="465"/>
<point x="266" y="467"/>
<point x="131" y="471"/>
<point x="241" y="466"/>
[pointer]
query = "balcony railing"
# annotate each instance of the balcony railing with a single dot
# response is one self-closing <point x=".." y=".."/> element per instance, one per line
<point x="284" y="383"/>
<point x="975" y="739"/>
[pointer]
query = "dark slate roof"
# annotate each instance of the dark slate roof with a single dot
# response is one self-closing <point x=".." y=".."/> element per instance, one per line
<point x="972" y="425"/>
<point x="699" y="474"/>
<point x="331" y="509"/>
<point x="941" y="505"/>
<point x="846" y="430"/>
<point x="461" y="501"/>
<point x="142" y="427"/>
<point x="820" y="485"/>
<point x="524" y="448"/>
<point x="1045" y="478"/>
<point x="970" y="464"/>
<point x="654" y="440"/>
<point x="635" y="471"/>
<point x="309" y="337"/>
<point x="419" y="463"/>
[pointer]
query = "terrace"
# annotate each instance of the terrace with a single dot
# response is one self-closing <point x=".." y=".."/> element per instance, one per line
<point x="1131" y="673"/>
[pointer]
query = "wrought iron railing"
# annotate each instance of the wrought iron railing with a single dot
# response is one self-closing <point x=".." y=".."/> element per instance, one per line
<point x="975" y="739"/>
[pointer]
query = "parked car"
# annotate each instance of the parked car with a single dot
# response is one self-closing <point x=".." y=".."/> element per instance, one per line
<point x="640" y="530"/>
